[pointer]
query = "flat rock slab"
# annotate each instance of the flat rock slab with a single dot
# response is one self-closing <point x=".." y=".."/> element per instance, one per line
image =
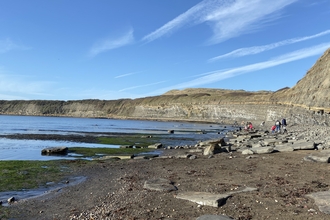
<point x="320" y="156"/>
<point x="303" y="146"/>
<point x="159" y="184"/>
<point x="322" y="200"/>
<point x="204" y="198"/>
<point x="209" y="199"/>
<point x="214" y="217"/>
<point x="262" y="150"/>
<point x="284" y="148"/>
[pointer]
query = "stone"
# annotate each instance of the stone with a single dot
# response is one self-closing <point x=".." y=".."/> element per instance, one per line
<point x="159" y="184"/>
<point x="156" y="146"/>
<point x="247" y="152"/>
<point x="183" y="156"/>
<point x="262" y="150"/>
<point x="303" y="146"/>
<point x="192" y="157"/>
<point x="55" y="150"/>
<point x="126" y="146"/>
<point x="209" y="199"/>
<point x="204" y="198"/>
<point x="269" y="142"/>
<point x="320" y="156"/>
<point x="322" y="200"/>
<point x="11" y="200"/>
<point x="212" y="149"/>
<point x="284" y="148"/>
<point x="118" y="157"/>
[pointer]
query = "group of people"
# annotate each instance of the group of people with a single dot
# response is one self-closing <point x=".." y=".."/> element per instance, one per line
<point x="279" y="125"/>
<point x="248" y="125"/>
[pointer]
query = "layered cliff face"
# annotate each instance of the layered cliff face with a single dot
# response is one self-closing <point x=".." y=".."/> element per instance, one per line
<point x="313" y="90"/>
<point x="307" y="102"/>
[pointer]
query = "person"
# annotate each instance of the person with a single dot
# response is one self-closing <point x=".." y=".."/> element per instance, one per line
<point x="250" y="126"/>
<point x="273" y="128"/>
<point x="284" y="125"/>
<point x="284" y="129"/>
<point x="278" y="126"/>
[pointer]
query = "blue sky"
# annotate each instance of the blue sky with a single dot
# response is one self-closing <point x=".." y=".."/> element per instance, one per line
<point x="113" y="49"/>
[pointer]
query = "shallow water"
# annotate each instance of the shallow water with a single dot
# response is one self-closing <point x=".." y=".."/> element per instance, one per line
<point x="22" y="195"/>
<point x="14" y="149"/>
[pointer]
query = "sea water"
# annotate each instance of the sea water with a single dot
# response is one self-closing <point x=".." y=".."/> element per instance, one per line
<point x="15" y="149"/>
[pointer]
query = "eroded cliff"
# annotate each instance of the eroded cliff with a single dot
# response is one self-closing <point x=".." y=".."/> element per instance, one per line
<point x="307" y="102"/>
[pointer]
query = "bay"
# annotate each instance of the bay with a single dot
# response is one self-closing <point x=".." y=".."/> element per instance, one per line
<point x="15" y="149"/>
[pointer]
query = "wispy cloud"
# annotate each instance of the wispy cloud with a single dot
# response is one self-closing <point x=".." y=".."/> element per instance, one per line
<point x="139" y="86"/>
<point x="127" y="74"/>
<point x="227" y="18"/>
<point x="224" y="74"/>
<point x="20" y="86"/>
<point x="7" y="45"/>
<point x="259" y="49"/>
<point x="112" y="43"/>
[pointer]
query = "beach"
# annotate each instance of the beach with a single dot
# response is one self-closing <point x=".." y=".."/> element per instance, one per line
<point x="116" y="189"/>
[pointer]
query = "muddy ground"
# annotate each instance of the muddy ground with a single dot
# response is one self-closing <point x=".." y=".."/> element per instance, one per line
<point x="114" y="189"/>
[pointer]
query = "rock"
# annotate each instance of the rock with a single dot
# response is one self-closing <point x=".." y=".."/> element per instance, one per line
<point x="212" y="149"/>
<point x="183" y="156"/>
<point x="204" y="198"/>
<point x="156" y="146"/>
<point x="284" y="148"/>
<point x="192" y="157"/>
<point x="159" y="184"/>
<point x="170" y="131"/>
<point x="11" y="200"/>
<point x="321" y="156"/>
<point x="126" y="146"/>
<point x="55" y="150"/>
<point x="247" y="152"/>
<point x="322" y="200"/>
<point x="118" y="157"/>
<point x="262" y="150"/>
<point x="209" y="199"/>
<point x="304" y="146"/>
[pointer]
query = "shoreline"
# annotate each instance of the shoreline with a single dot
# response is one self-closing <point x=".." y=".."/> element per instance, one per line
<point x="115" y="189"/>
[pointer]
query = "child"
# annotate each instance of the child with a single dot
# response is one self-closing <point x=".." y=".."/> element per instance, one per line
<point x="273" y="128"/>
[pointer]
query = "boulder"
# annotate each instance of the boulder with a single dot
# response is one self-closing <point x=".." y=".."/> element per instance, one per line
<point x="262" y="150"/>
<point x="212" y="149"/>
<point x="156" y="146"/>
<point x="55" y="150"/>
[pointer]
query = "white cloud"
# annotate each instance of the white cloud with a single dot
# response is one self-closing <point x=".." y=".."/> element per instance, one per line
<point x="259" y="49"/>
<point x="227" y="18"/>
<point x="127" y="74"/>
<point x="110" y="43"/>
<point x="8" y="45"/>
<point x="224" y="74"/>
<point x="20" y="86"/>
<point x="139" y="86"/>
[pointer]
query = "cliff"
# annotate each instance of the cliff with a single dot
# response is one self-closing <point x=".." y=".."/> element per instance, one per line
<point x="307" y="102"/>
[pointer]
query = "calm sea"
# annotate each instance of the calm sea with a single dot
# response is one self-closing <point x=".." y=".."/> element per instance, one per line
<point x="14" y="149"/>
